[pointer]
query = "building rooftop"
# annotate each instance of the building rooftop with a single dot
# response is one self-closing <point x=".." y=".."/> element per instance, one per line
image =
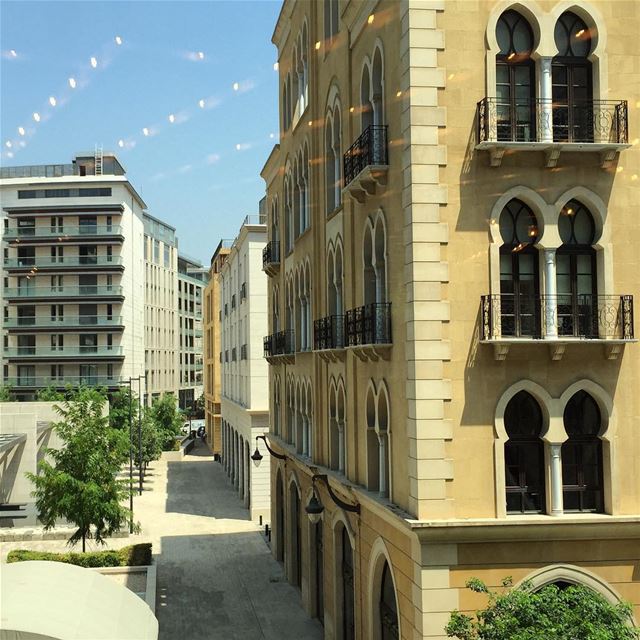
<point x="83" y="164"/>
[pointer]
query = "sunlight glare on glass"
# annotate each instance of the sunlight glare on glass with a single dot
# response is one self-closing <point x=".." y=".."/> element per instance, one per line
<point x="236" y="86"/>
<point x="145" y="131"/>
<point x="21" y="130"/>
<point x="118" y="40"/>
<point x="8" y="144"/>
<point x="72" y="83"/>
<point x="13" y="53"/>
<point x="172" y="118"/>
<point x="94" y="62"/>
<point x="201" y="103"/>
<point x="121" y="143"/>
<point x="36" y="116"/>
<point x="52" y="101"/>
<point x="201" y="55"/>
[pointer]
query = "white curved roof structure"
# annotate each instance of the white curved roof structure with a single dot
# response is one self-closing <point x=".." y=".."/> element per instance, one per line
<point x="58" y="601"/>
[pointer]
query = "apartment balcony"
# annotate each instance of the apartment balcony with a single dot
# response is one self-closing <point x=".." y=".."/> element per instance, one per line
<point x="26" y="382"/>
<point x="329" y="337"/>
<point x="280" y="347"/>
<point x="63" y="353"/>
<point x="243" y="352"/>
<point x="79" y="324"/>
<point x="60" y="293"/>
<point x="368" y="330"/>
<point x="366" y="163"/>
<point x="70" y="233"/>
<point x="271" y="258"/>
<point x="557" y="322"/>
<point x="594" y="126"/>
<point x="64" y="263"/>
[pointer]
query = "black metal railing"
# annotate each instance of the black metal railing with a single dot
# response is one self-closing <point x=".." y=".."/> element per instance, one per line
<point x="369" y="149"/>
<point x="328" y="333"/>
<point x="271" y="253"/>
<point x="369" y="324"/>
<point x="536" y="120"/>
<point x="279" y="344"/>
<point x="564" y="315"/>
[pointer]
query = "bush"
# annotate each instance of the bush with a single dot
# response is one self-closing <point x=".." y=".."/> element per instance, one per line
<point x="136" y="555"/>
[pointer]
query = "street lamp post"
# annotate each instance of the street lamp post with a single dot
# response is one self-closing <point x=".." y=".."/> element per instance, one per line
<point x="130" y="461"/>
<point x="256" y="456"/>
<point x="315" y="508"/>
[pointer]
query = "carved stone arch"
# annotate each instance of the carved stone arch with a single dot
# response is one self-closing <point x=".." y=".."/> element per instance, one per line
<point x="603" y="400"/>
<point x="574" y="575"/>
<point x="542" y="397"/>
<point x="596" y="206"/>
<point x="383" y="396"/>
<point x="378" y="556"/>
<point x="340" y="518"/>
<point x="545" y="213"/>
<point x="592" y="18"/>
<point x="333" y="95"/>
<point x="377" y="58"/>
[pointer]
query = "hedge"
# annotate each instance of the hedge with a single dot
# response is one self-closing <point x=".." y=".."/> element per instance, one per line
<point x="136" y="555"/>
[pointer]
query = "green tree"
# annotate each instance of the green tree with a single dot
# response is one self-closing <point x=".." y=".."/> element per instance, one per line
<point x="198" y="407"/>
<point x="81" y="485"/>
<point x="119" y="408"/>
<point x="167" y="418"/>
<point x="5" y="394"/>
<point x="152" y="440"/>
<point x="551" y="613"/>
<point x="49" y="394"/>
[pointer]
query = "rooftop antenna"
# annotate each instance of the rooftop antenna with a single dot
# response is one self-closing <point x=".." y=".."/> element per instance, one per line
<point x="98" y="160"/>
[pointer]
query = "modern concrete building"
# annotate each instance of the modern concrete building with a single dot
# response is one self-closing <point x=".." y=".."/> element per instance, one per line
<point x="453" y="259"/>
<point x="212" y="348"/>
<point x="245" y="393"/>
<point x="162" y="334"/>
<point x="192" y="279"/>
<point x="73" y="275"/>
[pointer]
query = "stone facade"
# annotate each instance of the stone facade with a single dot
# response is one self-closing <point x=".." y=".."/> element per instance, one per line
<point x="401" y="346"/>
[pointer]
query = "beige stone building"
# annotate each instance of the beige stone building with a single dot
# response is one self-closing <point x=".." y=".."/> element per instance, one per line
<point x="212" y="348"/>
<point x="452" y="260"/>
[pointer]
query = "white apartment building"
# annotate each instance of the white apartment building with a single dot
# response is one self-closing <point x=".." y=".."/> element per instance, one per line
<point x="245" y="380"/>
<point x="192" y="280"/>
<point x="72" y="300"/>
<point x="162" y="333"/>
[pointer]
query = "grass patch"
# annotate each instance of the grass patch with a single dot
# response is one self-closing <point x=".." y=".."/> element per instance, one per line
<point x="135" y="555"/>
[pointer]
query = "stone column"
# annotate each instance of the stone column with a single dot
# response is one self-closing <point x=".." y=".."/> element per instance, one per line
<point x="544" y="111"/>
<point x="556" y="479"/>
<point x="382" y="467"/>
<point x="550" y="303"/>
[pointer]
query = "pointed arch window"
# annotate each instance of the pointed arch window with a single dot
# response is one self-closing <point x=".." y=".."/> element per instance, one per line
<point x="582" y="476"/>
<point x="348" y="600"/>
<point x="572" y="75"/>
<point x="519" y="271"/>
<point x="388" y="608"/>
<point x="515" y="79"/>
<point x="524" y="455"/>
<point x="576" y="273"/>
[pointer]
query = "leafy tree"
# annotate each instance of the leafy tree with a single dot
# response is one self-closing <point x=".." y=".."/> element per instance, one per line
<point x="198" y="407"/>
<point x="553" y="613"/>
<point x="167" y="418"/>
<point x="49" y="394"/>
<point x="82" y="485"/>
<point x="152" y="440"/>
<point x="119" y="408"/>
<point x="5" y="394"/>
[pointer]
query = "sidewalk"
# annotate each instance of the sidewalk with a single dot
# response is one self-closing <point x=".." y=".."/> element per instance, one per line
<point x="216" y="576"/>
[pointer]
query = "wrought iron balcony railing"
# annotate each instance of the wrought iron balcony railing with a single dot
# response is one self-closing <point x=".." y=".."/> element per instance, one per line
<point x="82" y="291"/>
<point x="63" y="262"/>
<point x="63" y="352"/>
<point x="536" y="120"/>
<point x="243" y="352"/>
<point x="61" y="382"/>
<point x="370" y="324"/>
<point x="279" y="344"/>
<point x="58" y="322"/>
<point x="271" y="254"/>
<point x="369" y="149"/>
<point x="62" y="233"/>
<point x="328" y="333"/>
<point x="584" y="316"/>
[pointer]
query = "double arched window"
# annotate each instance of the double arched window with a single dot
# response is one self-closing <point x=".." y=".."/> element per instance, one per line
<point x="337" y="426"/>
<point x="524" y="455"/>
<point x="304" y="418"/>
<point x="519" y="279"/>
<point x="333" y="158"/>
<point x="374" y="254"/>
<point x="515" y="79"/>
<point x="378" y="440"/>
<point x="302" y="307"/>
<point x="372" y="92"/>
<point x="301" y="203"/>
<point x="577" y="448"/>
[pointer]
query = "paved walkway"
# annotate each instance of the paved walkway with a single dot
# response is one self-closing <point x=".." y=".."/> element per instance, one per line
<point x="216" y="576"/>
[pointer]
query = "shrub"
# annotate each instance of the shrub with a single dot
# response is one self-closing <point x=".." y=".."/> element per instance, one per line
<point x="135" y="555"/>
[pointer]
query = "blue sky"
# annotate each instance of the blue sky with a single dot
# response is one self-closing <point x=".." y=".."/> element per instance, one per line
<point x="199" y="173"/>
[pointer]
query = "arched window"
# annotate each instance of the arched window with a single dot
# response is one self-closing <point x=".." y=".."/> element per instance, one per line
<point x="515" y="79"/>
<point x="519" y="281"/>
<point x="347" y="584"/>
<point x="276" y="406"/>
<point x="378" y="442"/>
<point x="319" y="570"/>
<point x="291" y="403"/>
<point x="366" y="107"/>
<point x="280" y="533"/>
<point x="388" y="608"/>
<point x="377" y="88"/>
<point x="295" y="536"/>
<point x="275" y="222"/>
<point x="330" y="18"/>
<point x="288" y="210"/>
<point x="576" y="272"/>
<point x="373" y="455"/>
<point x="333" y="159"/>
<point x="572" y="81"/>
<point x="582" y="477"/>
<point x="524" y="455"/>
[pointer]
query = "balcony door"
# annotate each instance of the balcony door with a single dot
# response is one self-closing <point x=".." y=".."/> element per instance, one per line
<point x="573" y="108"/>
<point x="515" y="80"/>
<point x="519" y="272"/>
<point x="576" y="273"/>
